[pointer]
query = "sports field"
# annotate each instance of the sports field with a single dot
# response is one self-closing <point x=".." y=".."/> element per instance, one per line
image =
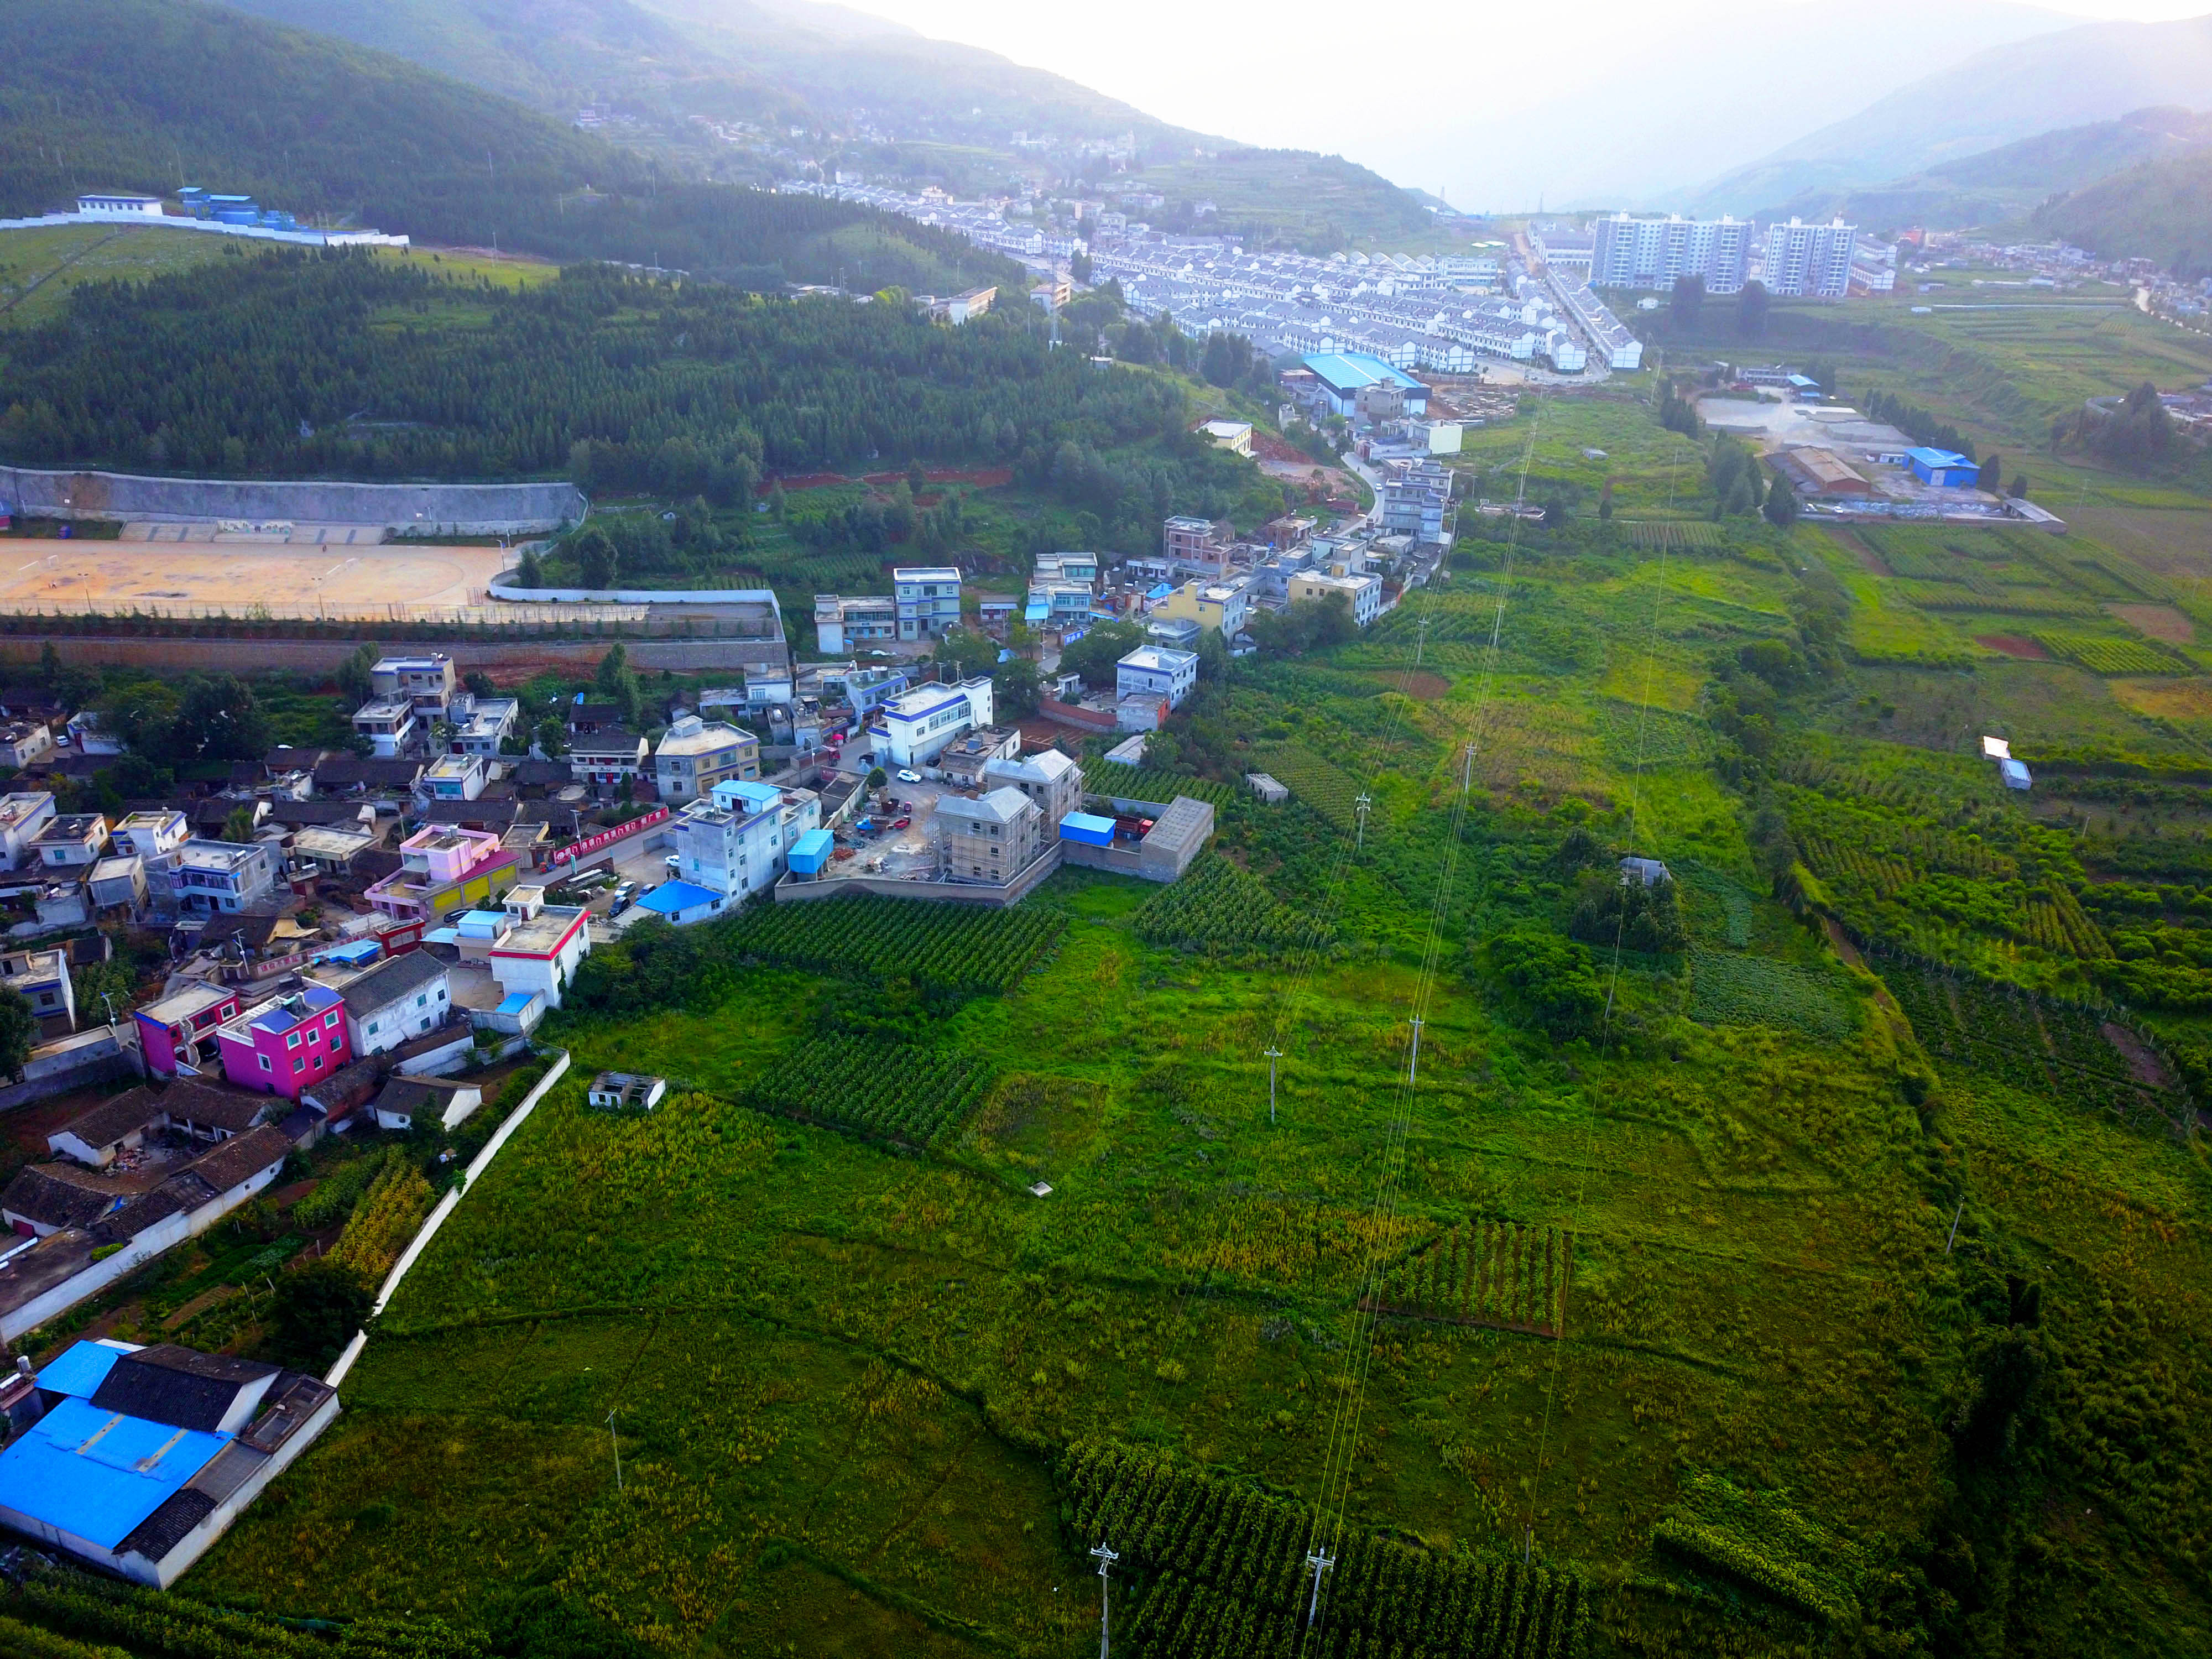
<point x="241" y="576"/>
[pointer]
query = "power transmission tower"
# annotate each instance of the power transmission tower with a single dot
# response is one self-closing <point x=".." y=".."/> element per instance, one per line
<point x="1360" y="805"/>
<point x="1420" y="639"/>
<point x="1413" y="1072"/>
<point x="1321" y="1561"/>
<point x="616" y="1440"/>
<point x="1105" y="1558"/>
<point x="1273" y="1054"/>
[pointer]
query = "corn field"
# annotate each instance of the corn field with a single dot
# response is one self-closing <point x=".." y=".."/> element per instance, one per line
<point x="952" y="946"/>
<point x="2107" y="656"/>
<point x="1225" y="1575"/>
<point x="888" y="1092"/>
<point x="1217" y="909"/>
<point x="1499" y="1273"/>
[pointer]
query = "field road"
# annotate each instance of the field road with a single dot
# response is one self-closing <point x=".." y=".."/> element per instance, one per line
<point x="117" y="577"/>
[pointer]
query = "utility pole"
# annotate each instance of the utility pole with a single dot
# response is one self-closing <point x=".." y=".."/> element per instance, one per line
<point x="1413" y="1072"/>
<point x="616" y="1440"/>
<point x="1273" y="1054"/>
<point x="1420" y="640"/>
<point x="1105" y="1558"/>
<point x="1360" y="805"/>
<point x="1321" y="1561"/>
<point x="1955" y="1219"/>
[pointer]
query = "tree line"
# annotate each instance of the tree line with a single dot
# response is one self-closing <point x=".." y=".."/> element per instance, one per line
<point x="339" y="363"/>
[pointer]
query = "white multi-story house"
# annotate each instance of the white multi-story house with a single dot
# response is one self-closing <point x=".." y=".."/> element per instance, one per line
<point x="1631" y="253"/>
<point x="913" y="730"/>
<point x="400" y="998"/>
<point x="480" y="724"/>
<point x="223" y="876"/>
<point x="732" y="842"/>
<point x="426" y="682"/>
<point x="1155" y="671"/>
<point x="23" y="817"/>
<point x="389" y="724"/>
<point x="927" y="598"/>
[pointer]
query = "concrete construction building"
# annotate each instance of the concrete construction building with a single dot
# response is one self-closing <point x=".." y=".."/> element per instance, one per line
<point x="1362" y="594"/>
<point x="696" y="755"/>
<point x="1652" y="253"/>
<point x="845" y="622"/>
<point x="1417" y="502"/>
<point x="991" y="839"/>
<point x="1809" y="260"/>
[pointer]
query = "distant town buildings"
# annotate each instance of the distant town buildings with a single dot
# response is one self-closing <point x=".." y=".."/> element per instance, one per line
<point x="1631" y="253"/>
<point x="1809" y="260"/>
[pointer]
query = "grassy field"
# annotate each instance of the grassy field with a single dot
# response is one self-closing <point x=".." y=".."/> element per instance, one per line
<point x="1834" y="1293"/>
<point x="38" y="266"/>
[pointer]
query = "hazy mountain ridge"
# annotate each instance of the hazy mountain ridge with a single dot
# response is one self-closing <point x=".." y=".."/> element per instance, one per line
<point x="2010" y="181"/>
<point x="2073" y="77"/>
<point x="792" y="62"/>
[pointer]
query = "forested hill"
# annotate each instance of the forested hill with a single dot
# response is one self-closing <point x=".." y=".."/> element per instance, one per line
<point x="147" y="94"/>
<point x="353" y="365"/>
<point x="2160" y="210"/>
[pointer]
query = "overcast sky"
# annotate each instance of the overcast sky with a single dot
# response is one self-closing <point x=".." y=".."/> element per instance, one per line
<point x="1494" y="106"/>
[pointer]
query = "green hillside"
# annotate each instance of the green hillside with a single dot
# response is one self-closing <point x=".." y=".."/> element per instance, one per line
<point x="144" y="94"/>
<point x="664" y="61"/>
<point x="2160" y="210"/>
<point x="1317" y="203"/>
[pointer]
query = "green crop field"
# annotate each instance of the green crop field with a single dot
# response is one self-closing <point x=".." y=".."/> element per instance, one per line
<point x="1800" y="1254"/>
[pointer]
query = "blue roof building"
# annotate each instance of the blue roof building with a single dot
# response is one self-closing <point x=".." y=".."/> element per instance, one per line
<point x="1944" y="468"/>
<point x="681" y="903"/>
<point x="140" y="1458"/>
<point x="1345" y="374"/>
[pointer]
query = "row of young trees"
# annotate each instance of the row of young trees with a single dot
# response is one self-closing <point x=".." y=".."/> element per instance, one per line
<point x="339" y="363"/>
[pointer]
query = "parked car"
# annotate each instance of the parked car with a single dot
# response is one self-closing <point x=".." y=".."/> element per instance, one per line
<point x="624" y="897"/>
<point x="907" y="776"/>
<point x="675" y="862"/>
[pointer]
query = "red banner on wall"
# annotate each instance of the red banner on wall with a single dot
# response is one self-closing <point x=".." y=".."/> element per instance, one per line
<point x="605" y="838"/>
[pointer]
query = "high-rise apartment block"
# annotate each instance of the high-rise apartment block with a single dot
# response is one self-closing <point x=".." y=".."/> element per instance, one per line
<point x="1815" y="260"/>
<point x="1627" y="253"/>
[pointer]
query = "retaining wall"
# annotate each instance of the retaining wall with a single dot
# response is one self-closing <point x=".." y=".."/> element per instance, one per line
<point x="683" y="655"/>
<point x="789" y="890"/>
<point x="461" y="509"/>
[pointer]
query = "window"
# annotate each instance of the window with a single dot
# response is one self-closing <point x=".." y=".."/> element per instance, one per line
<point x="299" y="1064"/>
<point x="331" y="1019"/>
<point x="424" y="1001"/>
<point x="266" y="1065"/>
<point x="372" y="1027"/>
<point x="291" y="1039"/>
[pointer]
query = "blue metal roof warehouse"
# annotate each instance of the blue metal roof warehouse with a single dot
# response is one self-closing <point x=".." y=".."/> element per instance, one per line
<point x="1347" y="373"/>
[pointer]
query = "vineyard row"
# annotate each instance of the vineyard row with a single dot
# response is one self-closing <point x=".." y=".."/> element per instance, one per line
<point x="1497" y="1273"/>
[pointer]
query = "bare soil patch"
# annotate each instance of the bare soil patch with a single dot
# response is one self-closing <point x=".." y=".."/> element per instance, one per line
<point x="1422" y="684"/>
<point x="2013" y="645"/>
<point x="2150" y="1069"/>
<point x="1870" y="561"/>
<point x="2160" y="622"/>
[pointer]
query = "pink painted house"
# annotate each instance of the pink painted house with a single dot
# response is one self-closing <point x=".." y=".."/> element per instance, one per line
<point x="443" y="869"/>
<point x="177" y="1033"/>
<point x="283" y="1046"/>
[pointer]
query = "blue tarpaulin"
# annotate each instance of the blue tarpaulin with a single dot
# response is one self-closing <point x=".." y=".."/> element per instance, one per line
<point x="1087" y="828"/>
